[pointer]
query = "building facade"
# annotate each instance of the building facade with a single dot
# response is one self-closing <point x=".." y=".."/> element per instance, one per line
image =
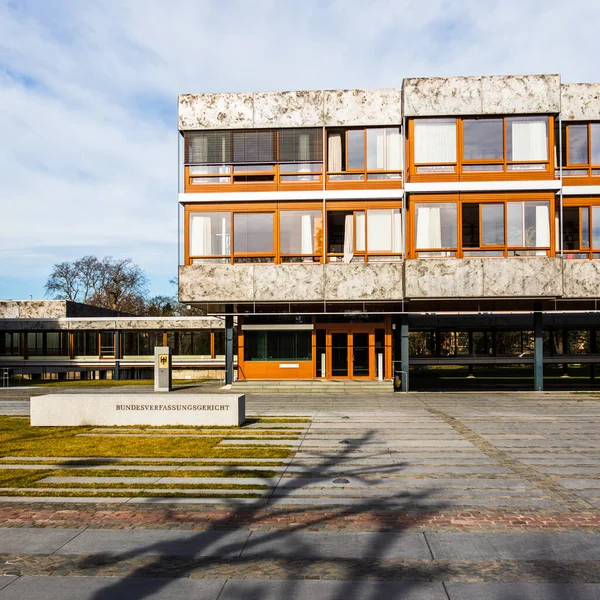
<point x="333" y="225"/>
<point x="61" y="339"/>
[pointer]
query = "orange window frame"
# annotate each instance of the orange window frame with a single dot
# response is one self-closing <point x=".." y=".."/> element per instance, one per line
<point x="460" y="173"/>
<point x="491" y="198"/>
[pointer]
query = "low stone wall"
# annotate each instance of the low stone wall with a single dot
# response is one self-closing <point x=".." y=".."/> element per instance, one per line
<point x="138" y="409"/>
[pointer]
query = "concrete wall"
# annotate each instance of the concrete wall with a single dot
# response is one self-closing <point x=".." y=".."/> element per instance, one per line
<point x="527" y="277"/>
<point x="580" y="101"/>
<point x="438" y="96"/>
<point x="315" y="108"/>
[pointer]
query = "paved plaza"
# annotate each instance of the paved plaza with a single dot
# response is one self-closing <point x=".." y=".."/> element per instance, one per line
<point x="452" y="496"/>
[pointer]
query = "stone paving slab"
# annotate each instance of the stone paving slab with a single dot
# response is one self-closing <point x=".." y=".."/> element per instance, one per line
<point x="522" y="591"/>
<point x="110" y="588"/>
<point x="514" y="546"/>
<point x="318" y="545"/>
<point x="157" y="542"/>
<point x="35" y="541"/>
<point x="5" y="580"/>
<point x="290" y="589"/>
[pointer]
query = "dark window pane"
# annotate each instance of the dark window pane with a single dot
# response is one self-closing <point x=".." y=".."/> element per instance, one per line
<point x="571" y="228"/>
<point x="219" y="343"/>
<point x="253" y="232"/>
<point x="253" y="147"/>
<point x="201" y="343"/>
<point x="492" y="224"/>
<point x="483" y="139"/>
<point x="300" y="145"/>
<point x="595" y="134"/>
<point x="356" y="149"/>
<point x="578" y="144"/>
<point x="207" y="147"/>
<point x="470" y="225"/>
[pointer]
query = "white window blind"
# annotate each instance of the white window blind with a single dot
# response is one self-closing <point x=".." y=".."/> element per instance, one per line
<point x="529" y="140"/>
<point x="429" y="227"/>
<point x="435" y="141"/>
<point x="384" y="230"/>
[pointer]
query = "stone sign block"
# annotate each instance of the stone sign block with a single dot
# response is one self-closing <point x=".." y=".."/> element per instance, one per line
<point x="156" y="409"/>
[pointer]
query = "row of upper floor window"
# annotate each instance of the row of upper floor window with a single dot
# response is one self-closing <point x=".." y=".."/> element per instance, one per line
<point x="443" y="149"/>
<point x="449" y="225"/>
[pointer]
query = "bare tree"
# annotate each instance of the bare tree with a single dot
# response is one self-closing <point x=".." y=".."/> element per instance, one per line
<point x="118" y="284"/>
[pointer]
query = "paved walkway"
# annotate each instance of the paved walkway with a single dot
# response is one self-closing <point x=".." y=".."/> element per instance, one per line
<point x="419" y="496"/>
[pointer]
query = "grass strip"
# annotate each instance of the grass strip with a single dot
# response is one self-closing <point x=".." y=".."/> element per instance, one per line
<point x="129" y="463"/>
<point x="103" y="494"/>
<point x="18" y="438"/>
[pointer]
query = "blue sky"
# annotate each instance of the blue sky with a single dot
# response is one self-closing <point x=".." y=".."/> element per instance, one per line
<point x="88" y="97"/>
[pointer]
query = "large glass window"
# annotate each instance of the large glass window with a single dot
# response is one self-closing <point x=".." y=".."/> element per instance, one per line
<point x="86" y="343"/>
<point x="253" y="233"/>
<point x="436" y="227"/>
<point x="384" y="149"/>
<point x="527" y="139"/>
<point x="277" y="345"/>
<point x="435" y="141"/>
<point x="483" y="139"/>
<point x="210" y="235"/>
<point x="577" y="146"/>
<point x="384" y="230"/>
<point x="301" y="235"/>
<point x="528" y="224"/>
<point x="360" y="154"/>
<point x="582" y="149"/>
<point x="495" y="144"/>
<point x="482" y="225"/>
<point x="10" y="343"/>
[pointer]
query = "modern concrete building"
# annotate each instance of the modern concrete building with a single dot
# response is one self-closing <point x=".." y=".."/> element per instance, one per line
<point x="343" y="227"/>
<point x="68" y="339"/>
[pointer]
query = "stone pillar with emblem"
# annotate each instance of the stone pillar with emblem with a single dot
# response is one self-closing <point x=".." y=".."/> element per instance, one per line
<point x="163" y="368"/>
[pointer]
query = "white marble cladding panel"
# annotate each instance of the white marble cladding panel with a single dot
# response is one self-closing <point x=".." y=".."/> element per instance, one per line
<point x="510" y="94"/>
<point x="520" y="94"/>
<point x="444" y="278"/>
<point x="527" y="277"/>
<point x="313" y="108"/>
<point x="216" y="111"/>
<point x="289" y="282"/>
<point x="168" y="324"/>
<point x="288" y="109"/>
<point x="580" y="101"/>
<point x="363" y="281"/>
<point x="581" y="278"/>
<point x="439" y="96"/>
<point x="9" y="309"/>
<point x="216" y="283"/>
<point x="363" y="107"/>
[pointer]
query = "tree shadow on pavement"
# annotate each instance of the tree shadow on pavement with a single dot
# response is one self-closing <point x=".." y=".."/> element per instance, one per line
<point x="297" y="549"/>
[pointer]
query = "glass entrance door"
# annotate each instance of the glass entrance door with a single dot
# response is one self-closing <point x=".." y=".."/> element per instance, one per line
<point x="361" y="355"/>
<point x="339" y="354"/>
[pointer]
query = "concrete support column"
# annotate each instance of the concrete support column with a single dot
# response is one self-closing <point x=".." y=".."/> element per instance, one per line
<point x="117" y="355"/>
<point x="565" y="346"/>
<point x="404" y="364"/>
<point x="593" y="350"/>
<point x="228" y="346"/>
<point x="538" y="352"/>
<point x="471" y="353"/>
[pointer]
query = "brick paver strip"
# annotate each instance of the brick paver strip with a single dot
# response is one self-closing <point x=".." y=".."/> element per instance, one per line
<point x="108" y="515"/>
<point x="568" y="499"/>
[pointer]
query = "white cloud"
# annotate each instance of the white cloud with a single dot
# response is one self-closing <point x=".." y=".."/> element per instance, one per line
<point x="88" y="95"/>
